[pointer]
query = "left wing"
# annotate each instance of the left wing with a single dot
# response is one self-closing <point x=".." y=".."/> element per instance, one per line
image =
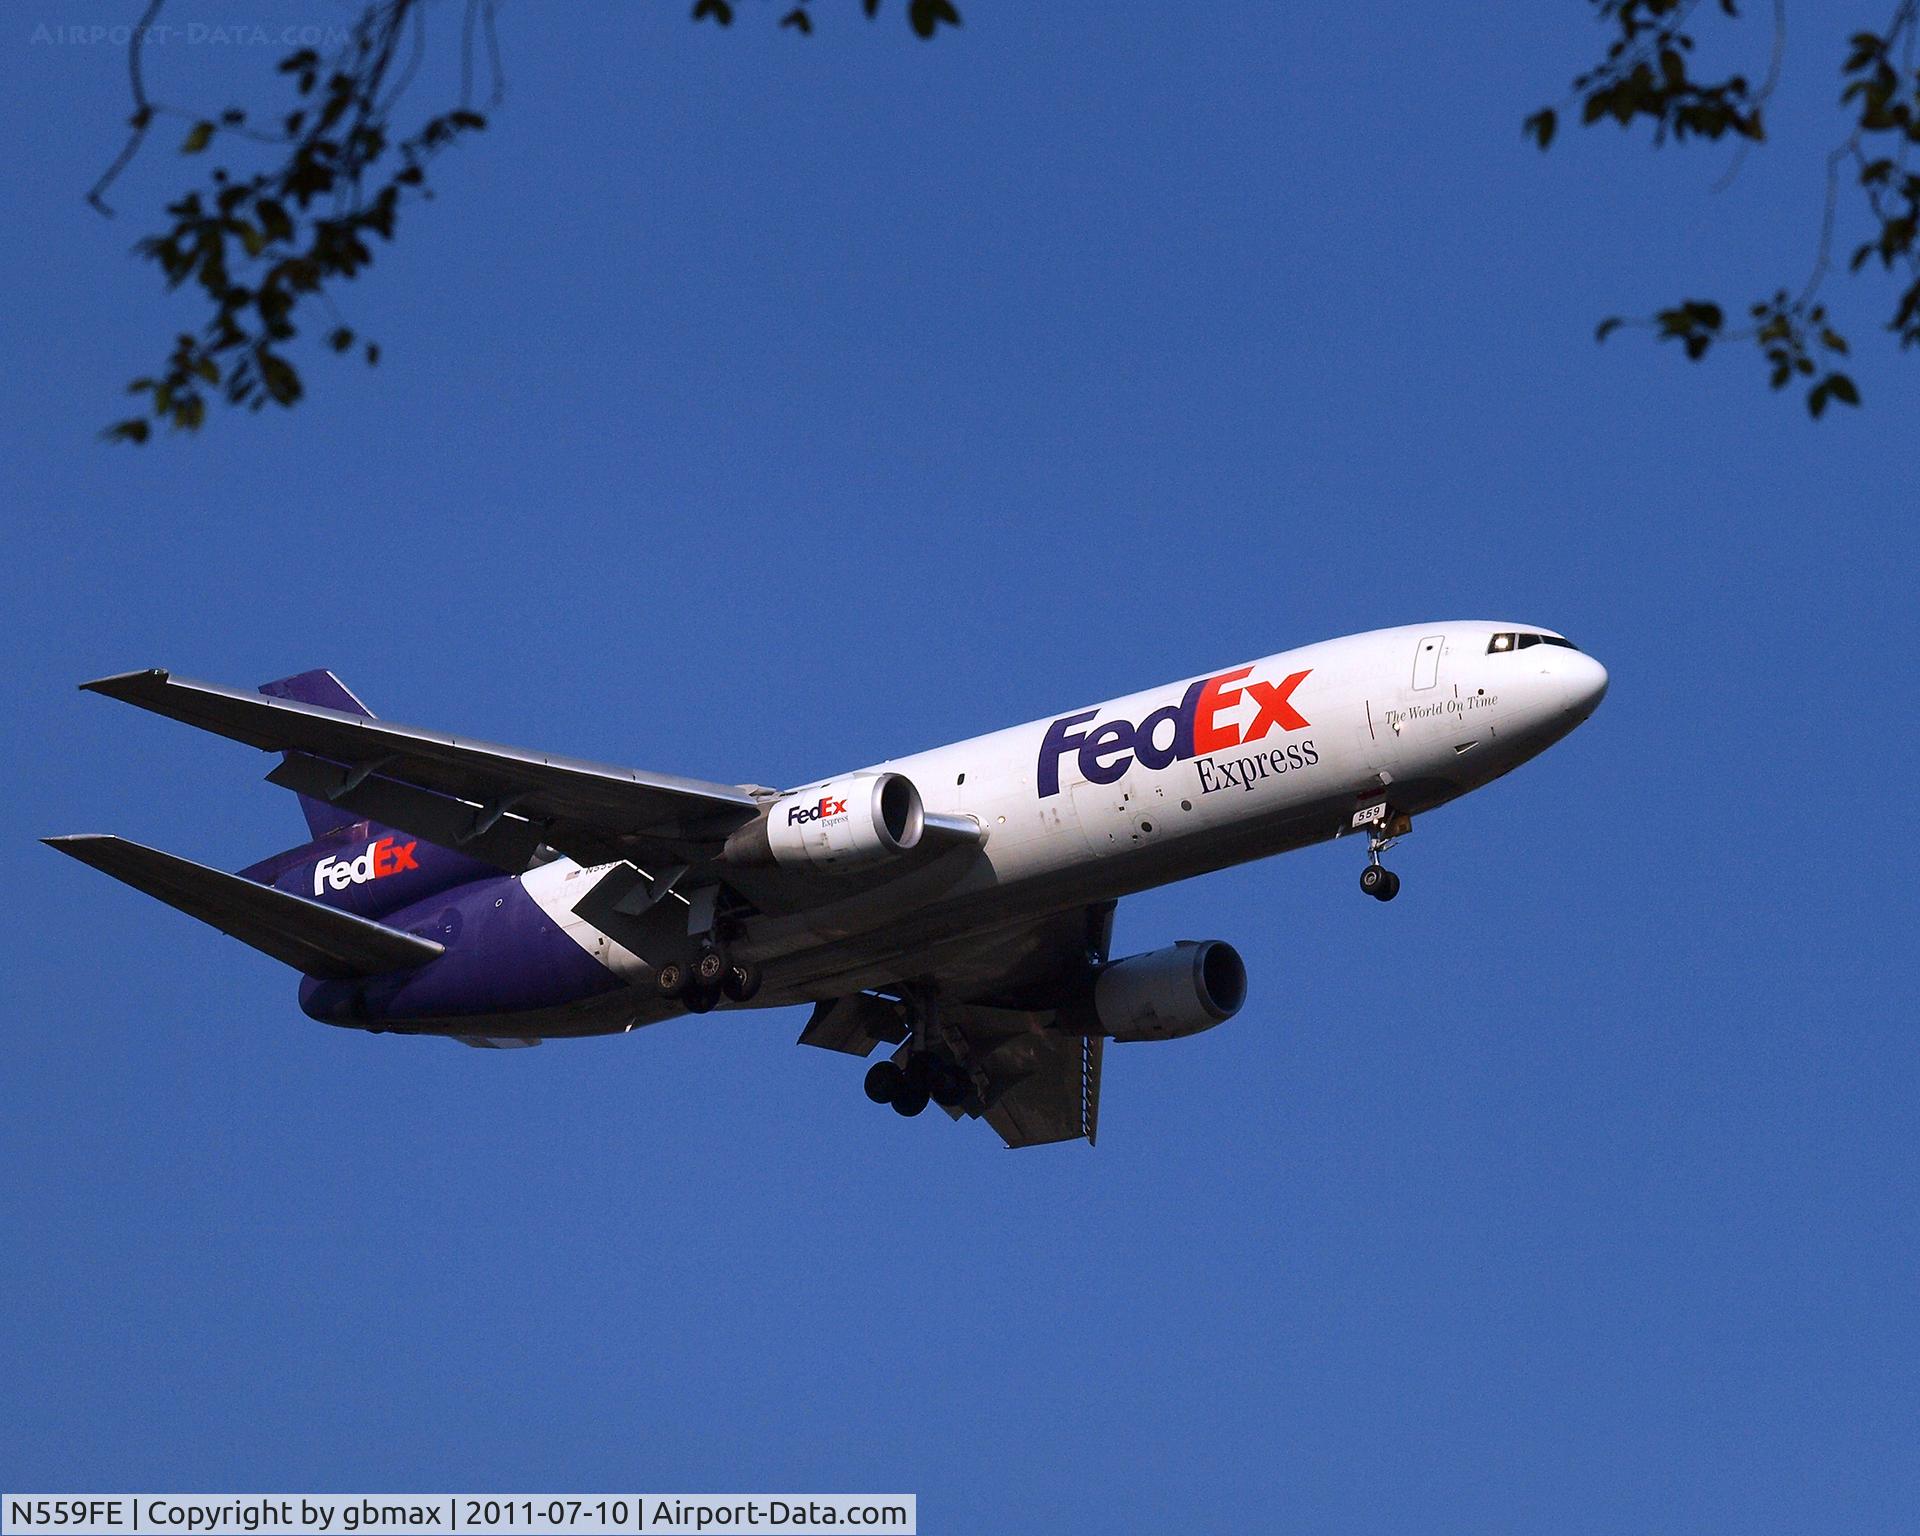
<point x="1042" y="1085"/>
<point x="1006" y="1013"/>
<point x="496" y="802"/>
<point x="1031" y="1081"/>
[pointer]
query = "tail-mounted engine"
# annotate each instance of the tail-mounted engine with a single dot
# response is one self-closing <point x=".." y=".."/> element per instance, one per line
<point x="1170" y="992"/>
<point x="841" y="825"/>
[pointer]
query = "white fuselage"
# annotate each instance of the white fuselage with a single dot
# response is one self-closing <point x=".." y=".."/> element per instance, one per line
<point x="1171" y="782"/>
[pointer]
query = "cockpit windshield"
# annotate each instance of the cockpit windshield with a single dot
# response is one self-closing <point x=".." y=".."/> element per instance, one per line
<point x="1514" y="640"/>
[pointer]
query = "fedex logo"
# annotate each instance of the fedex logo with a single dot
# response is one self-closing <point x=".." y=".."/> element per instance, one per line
<point x="382" y="858"/>
<point x="1191" y="728"/>
<point x="799" y="815"/>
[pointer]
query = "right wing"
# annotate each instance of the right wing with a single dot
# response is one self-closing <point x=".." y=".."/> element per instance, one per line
<point x="308" y="935"/>
<point x="510" y="808"/>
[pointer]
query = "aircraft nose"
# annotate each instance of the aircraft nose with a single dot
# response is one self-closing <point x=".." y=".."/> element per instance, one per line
<point x="1585" y="682"/>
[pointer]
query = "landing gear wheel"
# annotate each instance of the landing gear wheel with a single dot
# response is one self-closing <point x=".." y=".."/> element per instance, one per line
<point x="922" y="1072"/>
<point x="671" y="979"/>
<point x="1379" y="882"/>
<point x="709" y="966"/>
<point x="884" y="1082"/>
<point x="911" y="1099"/>
<point x="740" y="982"/>
<point x="700" y="999"/>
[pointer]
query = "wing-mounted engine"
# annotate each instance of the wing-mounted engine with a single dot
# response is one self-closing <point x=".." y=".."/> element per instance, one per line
<point x="1167" y="993"/>
<point x="844" y="824"/>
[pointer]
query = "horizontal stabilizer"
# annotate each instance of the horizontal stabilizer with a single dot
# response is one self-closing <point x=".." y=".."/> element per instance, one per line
<point x="312" y="938"/>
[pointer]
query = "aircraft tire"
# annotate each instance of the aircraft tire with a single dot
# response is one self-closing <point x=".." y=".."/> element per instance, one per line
<point x="951" y="1088"/>
<point x="884" y="1081"/>
<point x="671" y="979"/>
<point x="709" y="967"/>
<point x="741" y="981"/>
<point x="910" y="1100"/>
<point x="1390" y="887"/>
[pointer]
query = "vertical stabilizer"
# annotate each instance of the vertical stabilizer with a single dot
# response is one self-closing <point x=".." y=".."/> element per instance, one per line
<point x="320" y="688"/>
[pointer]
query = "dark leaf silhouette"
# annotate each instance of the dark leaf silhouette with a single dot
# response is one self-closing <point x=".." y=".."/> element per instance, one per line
<point x="1647" y="75"/>
<point x="325" y="192"/>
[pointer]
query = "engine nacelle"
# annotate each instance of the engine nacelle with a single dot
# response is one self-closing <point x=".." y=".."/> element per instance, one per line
<point x="1170" y="992"/>
<point x="862" y="820"/>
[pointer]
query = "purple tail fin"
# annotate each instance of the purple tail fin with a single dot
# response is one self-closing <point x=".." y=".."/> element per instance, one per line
<point x="327" y="691"/>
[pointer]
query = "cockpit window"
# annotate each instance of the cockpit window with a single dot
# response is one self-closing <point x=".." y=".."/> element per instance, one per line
<point x="1514" y="640"/>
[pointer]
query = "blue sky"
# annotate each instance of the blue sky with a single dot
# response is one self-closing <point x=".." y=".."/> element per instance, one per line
<point x="754" y="408"/>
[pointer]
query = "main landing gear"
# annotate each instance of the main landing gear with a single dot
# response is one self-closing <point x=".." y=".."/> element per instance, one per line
<point x="926" y="1072"/>
<point x="923" y="1079"/>
<point x="711" y="974"/>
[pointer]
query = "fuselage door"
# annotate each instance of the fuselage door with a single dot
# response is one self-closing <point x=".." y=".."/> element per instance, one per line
<point x="1426" y="661"/>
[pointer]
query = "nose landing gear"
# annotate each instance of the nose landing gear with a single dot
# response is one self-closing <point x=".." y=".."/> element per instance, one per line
<point x="1379" y="882"/>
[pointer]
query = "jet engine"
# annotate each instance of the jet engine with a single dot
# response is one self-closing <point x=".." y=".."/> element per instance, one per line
<point x="1170" y="992"/>
<point x="865" y="819"/>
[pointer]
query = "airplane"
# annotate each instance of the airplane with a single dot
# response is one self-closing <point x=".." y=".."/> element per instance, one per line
<point x="955" y="905"/>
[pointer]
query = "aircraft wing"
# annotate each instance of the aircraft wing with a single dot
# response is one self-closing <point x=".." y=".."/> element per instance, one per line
<point x="496" y="802"/>
<point x="1003" y="1012"/>
<point x="1042" y="1085"/>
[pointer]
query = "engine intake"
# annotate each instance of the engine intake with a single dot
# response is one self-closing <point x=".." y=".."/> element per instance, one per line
<point x="1167" y="993"/>
<point x="849" y="822"/>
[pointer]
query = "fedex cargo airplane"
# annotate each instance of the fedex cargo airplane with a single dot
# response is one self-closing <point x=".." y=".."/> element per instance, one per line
<point x="955" y="906"/>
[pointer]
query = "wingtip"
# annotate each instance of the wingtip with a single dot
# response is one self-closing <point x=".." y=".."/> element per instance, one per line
<point x="77" y="845"/>
<point x="124" y="684"/>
